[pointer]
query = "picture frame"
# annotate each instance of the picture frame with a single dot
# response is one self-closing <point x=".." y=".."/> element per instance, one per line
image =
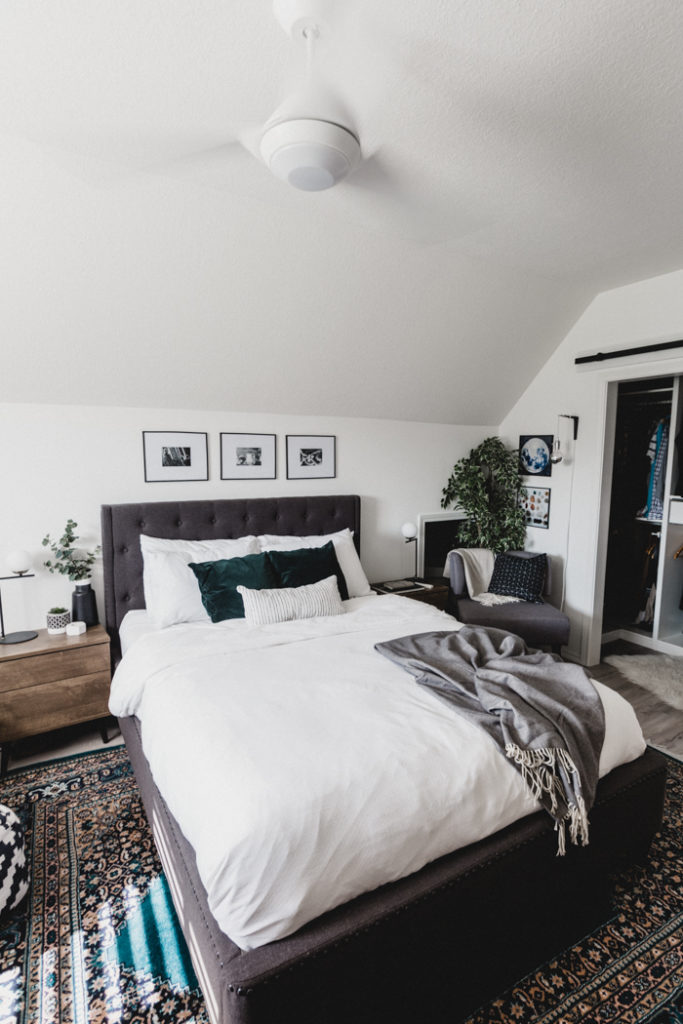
<point x="534" y="454"/>
<point x="311" y="456"/>
<point x="175" y="455"/>
<point x="536" y="504"/>
<point x="248" y="456"/>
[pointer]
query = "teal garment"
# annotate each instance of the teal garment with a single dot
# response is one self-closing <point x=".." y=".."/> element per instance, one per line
<point x="218" y="582"/>
<point x="653" y="449"/>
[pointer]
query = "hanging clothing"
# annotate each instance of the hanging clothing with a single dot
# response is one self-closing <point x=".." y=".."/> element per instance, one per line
<point x="657" y="450"/>
<point x="646" y="616"/>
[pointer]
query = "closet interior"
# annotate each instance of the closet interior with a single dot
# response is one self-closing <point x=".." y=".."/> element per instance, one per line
<point x="644" y="572"/>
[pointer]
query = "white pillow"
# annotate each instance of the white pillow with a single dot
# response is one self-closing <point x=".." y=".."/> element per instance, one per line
<point x="344" y="548"/>
<point x="171" y="590"/>
<point x="262" y="607"/>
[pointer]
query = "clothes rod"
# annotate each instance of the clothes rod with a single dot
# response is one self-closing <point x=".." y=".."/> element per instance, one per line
<point x="599" y="357"/>
<point x="651" y="391"/>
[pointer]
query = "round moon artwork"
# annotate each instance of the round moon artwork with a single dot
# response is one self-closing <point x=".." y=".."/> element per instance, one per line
<point x="534" y="456"/>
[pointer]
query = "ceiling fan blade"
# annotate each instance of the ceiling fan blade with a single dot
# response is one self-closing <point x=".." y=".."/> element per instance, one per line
<point x="418" y="211"/>
<point x="231" y="166"/>
<point x="249" y="136"/>
<point x="107" y="159"/>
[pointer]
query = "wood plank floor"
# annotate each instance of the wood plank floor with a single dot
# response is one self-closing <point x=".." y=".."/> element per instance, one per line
<point x="661" y="723"/>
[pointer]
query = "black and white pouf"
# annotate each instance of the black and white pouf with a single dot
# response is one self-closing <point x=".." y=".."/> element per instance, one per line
<point x="13" y="867"/>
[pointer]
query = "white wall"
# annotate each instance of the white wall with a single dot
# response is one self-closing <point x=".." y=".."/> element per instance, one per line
<point x="641" y="313"/>
<point x="65" y="461"/>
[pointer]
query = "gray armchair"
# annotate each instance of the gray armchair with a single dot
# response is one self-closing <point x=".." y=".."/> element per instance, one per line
<point x="539" y="625"/>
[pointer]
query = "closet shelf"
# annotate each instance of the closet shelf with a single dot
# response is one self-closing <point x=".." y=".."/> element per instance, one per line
<point x="651" y="522"/>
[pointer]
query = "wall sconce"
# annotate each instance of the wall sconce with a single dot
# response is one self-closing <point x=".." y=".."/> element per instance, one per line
<point x="409" y="531"/>
<point x="556" y="455"/>
<point x="20" y="563"/>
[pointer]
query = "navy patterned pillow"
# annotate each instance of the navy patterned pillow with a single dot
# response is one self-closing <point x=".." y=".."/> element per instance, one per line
<point x="514" y="576"/>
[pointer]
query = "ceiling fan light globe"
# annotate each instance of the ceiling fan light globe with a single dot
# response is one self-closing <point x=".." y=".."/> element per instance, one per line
<point x="311" y="176"/>
<point x="309" y="154"/>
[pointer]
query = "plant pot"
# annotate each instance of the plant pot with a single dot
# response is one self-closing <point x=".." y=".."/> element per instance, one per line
<point x="57" y="622"/>
<point x="84" y="604"/>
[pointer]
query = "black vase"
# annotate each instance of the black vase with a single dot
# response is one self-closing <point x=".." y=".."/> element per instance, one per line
<point x="84" y="605"/>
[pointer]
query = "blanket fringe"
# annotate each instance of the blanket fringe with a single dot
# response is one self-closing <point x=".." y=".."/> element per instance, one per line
<point x="540" y="771"/>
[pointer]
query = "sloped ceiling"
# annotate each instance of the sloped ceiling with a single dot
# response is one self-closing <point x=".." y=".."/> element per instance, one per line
<point x="518" y="159"/>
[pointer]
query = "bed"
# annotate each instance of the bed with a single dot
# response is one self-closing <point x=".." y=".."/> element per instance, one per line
<point x="431" y="946"/>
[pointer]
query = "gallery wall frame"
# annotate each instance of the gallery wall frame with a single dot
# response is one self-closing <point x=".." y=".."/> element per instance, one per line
<point x="175" y="455"/>
<point x="248" y="456"/>
<point x="536" y="504"/>
<point x="534" y="454"/>
<point x="311" y="456"/>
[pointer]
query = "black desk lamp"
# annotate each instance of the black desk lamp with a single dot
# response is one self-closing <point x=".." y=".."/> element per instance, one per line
<point x="19" y="562"/>
<point x="409" y="531"/>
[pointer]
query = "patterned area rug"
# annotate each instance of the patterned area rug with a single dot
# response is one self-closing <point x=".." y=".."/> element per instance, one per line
<point x="630" y="969"/>
<point x="97" y="939"/>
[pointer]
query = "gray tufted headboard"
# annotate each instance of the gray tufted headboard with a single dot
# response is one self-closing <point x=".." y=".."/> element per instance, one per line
<point x="203" y="520"/>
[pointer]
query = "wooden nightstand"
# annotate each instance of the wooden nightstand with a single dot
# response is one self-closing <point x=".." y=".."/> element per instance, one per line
<point x="436" y="594"/>
<point x="51" y="682"/>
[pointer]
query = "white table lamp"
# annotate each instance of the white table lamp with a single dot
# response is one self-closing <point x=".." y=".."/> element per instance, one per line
<point x="409" y="531"/>
<point x="19" y="562"/>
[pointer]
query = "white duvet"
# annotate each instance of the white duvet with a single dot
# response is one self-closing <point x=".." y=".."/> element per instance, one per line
<point x="305" y="769"/>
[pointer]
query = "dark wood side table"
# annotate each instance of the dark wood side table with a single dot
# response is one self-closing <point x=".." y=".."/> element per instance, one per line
<point x="436" y="594"/>
<point x="51" y="682"/>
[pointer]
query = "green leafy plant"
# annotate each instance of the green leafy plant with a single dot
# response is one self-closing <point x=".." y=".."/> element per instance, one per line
<point x="68" y="559"/>
<point x="56" y="611"/>
<point x="485" y="486"/>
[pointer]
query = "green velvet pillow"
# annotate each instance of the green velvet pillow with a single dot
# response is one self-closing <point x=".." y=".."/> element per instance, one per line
<point x="308" y="565"/>
<point x="218" y="582"/>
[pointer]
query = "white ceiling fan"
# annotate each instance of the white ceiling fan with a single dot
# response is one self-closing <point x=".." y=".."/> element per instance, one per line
<point x="336" y="123"/>
<point x="311" y="140"/>
<point x="308" y="151"/>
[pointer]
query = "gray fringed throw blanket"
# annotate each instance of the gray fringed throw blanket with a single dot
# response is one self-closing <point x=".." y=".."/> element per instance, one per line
<point x="544" y="714"/>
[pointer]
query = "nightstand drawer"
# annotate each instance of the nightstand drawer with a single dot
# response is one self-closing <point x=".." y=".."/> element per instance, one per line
<point x="47" y="668"/>
<point x="50" y="705"/>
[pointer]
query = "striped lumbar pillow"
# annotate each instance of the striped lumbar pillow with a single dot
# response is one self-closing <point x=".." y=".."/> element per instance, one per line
<point x="262" y="607"/>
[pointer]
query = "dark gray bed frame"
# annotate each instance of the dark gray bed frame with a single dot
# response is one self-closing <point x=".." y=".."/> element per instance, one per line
<point x="427" y="949"/>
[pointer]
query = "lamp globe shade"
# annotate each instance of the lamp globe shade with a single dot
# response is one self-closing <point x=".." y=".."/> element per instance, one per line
<point x="409" y="530"/>
<point x="18" y="561"/>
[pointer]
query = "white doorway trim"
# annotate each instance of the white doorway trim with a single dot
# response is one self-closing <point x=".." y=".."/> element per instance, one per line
<point x="611" y="378"/>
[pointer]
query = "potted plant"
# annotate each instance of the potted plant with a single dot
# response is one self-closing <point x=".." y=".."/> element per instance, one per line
<point x="486" y="486"/>
<point x="77" y="565"/>
<point x="57" y="620"/>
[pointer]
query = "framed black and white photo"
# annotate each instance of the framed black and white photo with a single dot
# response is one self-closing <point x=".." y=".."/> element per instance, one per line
<point x="175" y="455"/>
<point x="311" y="456"/>
<point x="534" y="454"/>
<point x="536" y="504"/>
<point x="248" y="456"/>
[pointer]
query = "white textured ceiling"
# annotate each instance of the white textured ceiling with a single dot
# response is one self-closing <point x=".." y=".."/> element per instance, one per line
<point x="520" y="157"/>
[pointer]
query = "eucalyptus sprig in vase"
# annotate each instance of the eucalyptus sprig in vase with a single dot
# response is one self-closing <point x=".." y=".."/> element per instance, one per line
<point x="76" y="564"/>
